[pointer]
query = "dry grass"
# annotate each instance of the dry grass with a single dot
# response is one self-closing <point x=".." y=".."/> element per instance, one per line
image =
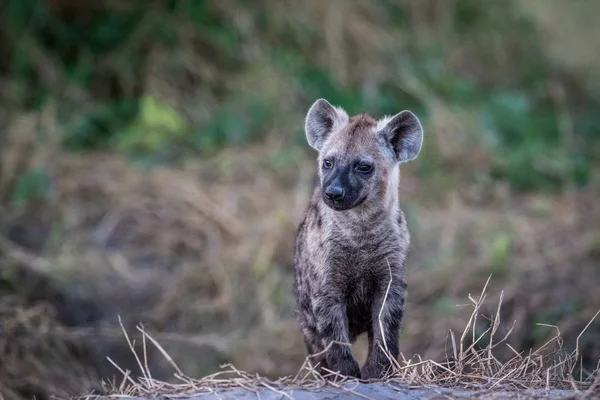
<point x="469" y="367"/>
<point x="115" y="213"/>
<point x="31" y="341"/>
<point x="150" y="246"/>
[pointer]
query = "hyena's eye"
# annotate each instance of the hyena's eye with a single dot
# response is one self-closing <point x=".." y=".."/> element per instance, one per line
<point x="364" y="168"/>
<point x="327" y="164"/>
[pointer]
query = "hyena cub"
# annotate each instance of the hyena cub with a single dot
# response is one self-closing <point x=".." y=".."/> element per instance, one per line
<point x="353" y="239"/>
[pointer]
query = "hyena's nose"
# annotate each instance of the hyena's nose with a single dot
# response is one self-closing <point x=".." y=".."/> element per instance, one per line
<point x="334" y="193"/>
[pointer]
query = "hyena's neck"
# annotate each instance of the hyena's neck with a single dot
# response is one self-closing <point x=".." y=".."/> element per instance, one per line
<point x="391" y="196"/>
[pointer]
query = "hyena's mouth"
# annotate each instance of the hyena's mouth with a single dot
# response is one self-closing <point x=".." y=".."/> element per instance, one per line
<point x="344" y="205"/>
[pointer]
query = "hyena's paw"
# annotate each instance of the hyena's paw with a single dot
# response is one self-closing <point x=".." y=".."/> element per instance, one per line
<point x="376" y="369"/>
<point x="347" y="367"/>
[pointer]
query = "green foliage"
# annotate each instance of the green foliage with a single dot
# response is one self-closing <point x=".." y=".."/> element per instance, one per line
<point x="32" y="186"/>
<point x="95" y="128"/>
<point x="104" y="56"/>
<point x="555" y="313"/>
<point x="444" y="305"/>
<point x="232" y="124"/>
<point x="501" y="246"/>
<point x="528" y="141"/>
<point x="154" y="128"/>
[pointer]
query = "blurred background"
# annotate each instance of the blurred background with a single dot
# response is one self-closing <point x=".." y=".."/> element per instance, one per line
<point x="154" y="167"/>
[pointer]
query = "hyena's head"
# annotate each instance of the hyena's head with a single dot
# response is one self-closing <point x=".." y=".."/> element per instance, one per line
<point x="359" y="156"/>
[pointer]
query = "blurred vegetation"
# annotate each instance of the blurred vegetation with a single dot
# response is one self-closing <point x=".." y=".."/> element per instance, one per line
<point x="165" y="82"/>
<point x="98" y="63"/>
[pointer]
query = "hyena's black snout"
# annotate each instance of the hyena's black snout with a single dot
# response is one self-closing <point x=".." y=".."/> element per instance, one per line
<point x="335" y="192"/>
<point x="339" y="195"/>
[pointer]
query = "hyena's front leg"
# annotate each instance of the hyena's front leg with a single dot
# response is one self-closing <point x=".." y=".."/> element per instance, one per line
<point x="316" y="355"/>
<point x="332" y="324"/>
<point x="387" y="313"/>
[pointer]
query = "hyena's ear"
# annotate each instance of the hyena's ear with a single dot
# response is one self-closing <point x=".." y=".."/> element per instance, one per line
<point x="405" y="134"/>
<point x="322" y="120"/>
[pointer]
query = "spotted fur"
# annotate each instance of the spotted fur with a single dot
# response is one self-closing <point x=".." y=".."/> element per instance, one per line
<point x="348" y="249"/>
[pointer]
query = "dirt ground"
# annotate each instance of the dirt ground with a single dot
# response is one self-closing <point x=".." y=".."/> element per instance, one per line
<point x="379" y="390"/>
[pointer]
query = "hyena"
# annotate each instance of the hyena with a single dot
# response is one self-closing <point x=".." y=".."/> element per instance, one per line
<point x="353" y="239"/>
